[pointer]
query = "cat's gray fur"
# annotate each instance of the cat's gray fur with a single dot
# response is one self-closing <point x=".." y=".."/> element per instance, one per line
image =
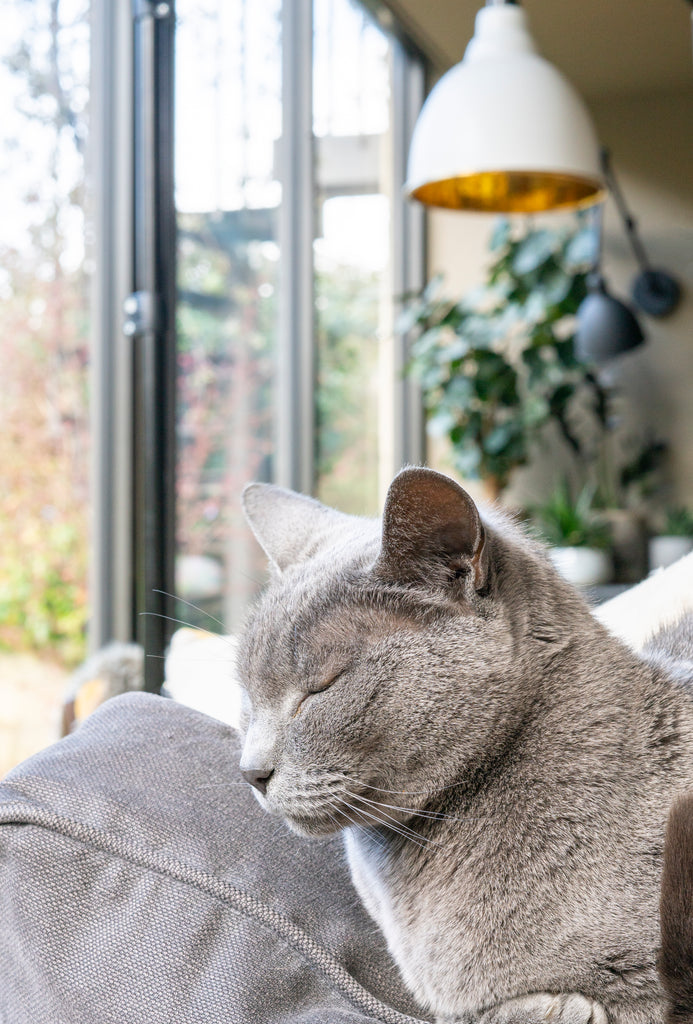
<point x="502" y="767"/>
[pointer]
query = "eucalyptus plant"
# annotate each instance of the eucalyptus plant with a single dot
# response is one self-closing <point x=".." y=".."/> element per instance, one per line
<point x="498" y="366"/>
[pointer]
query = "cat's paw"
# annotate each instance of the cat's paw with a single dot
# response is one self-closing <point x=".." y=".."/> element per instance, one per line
<point x="573" y="1008"/>
<point x="544" y="1008"/>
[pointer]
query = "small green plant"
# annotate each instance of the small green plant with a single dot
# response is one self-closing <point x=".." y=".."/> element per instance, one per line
<point x="564" y="521"/>
<point x="678" y="523"/>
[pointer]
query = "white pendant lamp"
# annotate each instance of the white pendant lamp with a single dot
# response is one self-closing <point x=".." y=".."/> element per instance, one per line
<point x="503" y="131"/>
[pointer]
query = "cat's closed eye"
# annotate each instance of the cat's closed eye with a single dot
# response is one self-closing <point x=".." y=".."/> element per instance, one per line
<point x="325" y="683"/>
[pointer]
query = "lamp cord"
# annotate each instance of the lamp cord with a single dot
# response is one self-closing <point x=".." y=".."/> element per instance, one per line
<point x="655" y="291"/>
<point x="627" y="217"/>
<point x="596" y="218"/>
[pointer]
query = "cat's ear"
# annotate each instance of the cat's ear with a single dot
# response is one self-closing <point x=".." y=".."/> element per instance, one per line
<point x="431" y="524"/>
<point x="290" y="527"/>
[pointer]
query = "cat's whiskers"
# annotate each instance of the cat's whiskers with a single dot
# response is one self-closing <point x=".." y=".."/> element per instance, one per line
<point x="195" y="607"/>
<point x="429" y="815"/>
<point x="396" y="792"/>
<point x="396" y="826"/>
<point x="331" y="784"/>
<point x="340" y="825"/>
<point x="334" y="778"/>
<point x="192" y="625"/>
<point x="229" y="641"/>
<point x="313" y="794"/>
<point x="364" y="826"/>
<point x="334" y="820"/>
<point x="378" y="811"/>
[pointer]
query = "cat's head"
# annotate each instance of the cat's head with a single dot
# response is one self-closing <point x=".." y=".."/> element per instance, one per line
<point x="384" y="661"/>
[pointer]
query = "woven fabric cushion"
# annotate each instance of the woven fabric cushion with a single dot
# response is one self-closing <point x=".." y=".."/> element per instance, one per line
<point x="141" y="882"/>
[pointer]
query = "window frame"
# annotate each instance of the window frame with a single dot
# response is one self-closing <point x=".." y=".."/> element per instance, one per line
<point x="134" y="352"/>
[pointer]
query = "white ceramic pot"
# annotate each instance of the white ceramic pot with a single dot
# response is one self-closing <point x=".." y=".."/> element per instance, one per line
<point x="583" y="567"/>
<point x="666" y="550"/>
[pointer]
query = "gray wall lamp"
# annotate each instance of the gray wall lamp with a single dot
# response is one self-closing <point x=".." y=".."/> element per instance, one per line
<point x="608" y="327"/>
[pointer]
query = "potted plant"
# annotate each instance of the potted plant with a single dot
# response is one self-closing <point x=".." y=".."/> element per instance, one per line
<point x="674" y="540"/>
<point x="580" y="539"/>
<point x="498" y="366"/>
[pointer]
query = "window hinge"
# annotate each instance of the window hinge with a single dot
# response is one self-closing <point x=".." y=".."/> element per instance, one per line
<point x="158" y="9"/>
<point x="140" y="309"/>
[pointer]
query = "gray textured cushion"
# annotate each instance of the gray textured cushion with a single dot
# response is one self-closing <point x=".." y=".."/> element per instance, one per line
<point x="140" y="882"/>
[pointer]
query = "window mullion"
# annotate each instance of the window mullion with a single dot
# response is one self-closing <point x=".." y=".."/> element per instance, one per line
<point x="408" y="247"/>
<point x="295" y="411"/>
<point x="151" y="326"/>
<point x="110" y="144"/>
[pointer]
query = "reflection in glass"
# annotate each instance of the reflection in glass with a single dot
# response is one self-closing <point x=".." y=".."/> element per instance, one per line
<point x="228" y="195"/>
<point x="228" y="117"/>
<point x="352" y="258"/>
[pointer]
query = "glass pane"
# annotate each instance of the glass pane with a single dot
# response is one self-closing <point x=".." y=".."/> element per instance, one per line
<point x="44" y="85"/>
<point x="353" y="291"/>
<point x="228" y="118"/>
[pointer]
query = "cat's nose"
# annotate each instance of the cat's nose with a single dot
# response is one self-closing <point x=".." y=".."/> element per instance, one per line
<point x="257" y="777"/>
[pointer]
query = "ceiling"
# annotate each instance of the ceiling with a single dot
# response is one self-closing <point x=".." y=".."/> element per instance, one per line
<point x="605" y="47"/>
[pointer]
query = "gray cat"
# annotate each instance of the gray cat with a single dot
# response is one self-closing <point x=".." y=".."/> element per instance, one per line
<point x="501" y="766"/>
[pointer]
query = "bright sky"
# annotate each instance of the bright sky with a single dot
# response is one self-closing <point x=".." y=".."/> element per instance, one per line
<point x="25" y="144"/>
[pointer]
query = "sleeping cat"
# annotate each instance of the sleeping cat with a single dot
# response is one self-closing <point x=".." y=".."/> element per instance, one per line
<point x="500" y="765"/>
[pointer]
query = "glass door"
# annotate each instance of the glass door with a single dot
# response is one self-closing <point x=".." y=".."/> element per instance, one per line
<point x="291" y="128"/>
<point x="227" y="196"/>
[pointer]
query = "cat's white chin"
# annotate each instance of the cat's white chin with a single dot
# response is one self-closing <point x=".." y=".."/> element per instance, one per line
<point x="314" y="825"/>
<point x="313" y="828"/>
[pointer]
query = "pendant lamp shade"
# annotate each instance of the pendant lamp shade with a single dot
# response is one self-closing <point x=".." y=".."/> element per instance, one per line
<point x="503" y="131"/>
<point x="606" y="326"/>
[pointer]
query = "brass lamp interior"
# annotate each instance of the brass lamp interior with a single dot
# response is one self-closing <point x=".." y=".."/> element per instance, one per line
<point x="510" y="192"/>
